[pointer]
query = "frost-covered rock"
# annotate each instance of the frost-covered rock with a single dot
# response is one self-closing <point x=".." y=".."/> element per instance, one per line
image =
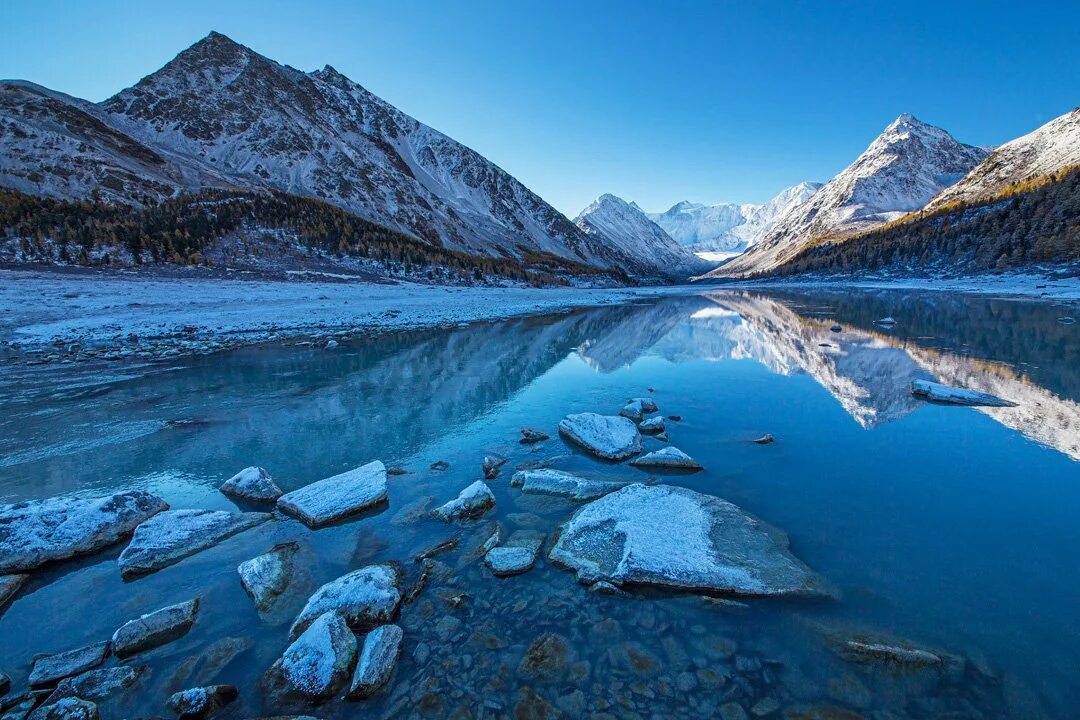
<point x="39" y="531"/>
<point x="71" y="708"/>
<point x="156" y="628"/>
<point x="633" y="411"/>
<point x="174" y="535"/>
<point x="517" y="555"/>
<point x="318" y="662"/>
<point x="381" y="649"/>
<point x="949" y="395"/>
<point x="491" y="466"/>
<point x="653" y="425"/>
<point x="531" y="437"/>
<point x="337" y="497"/>
<point x="563" y="484"/>
<point x="267" y="576"/>
<point x="364" y="598"/>
<point x="51" y="668"/>
<point x="669" y="458"/>
<point x="675" y="537"/>
<point x="472" y="502"/>
<point x="201" y="702"/>
<point x="97" y="684"/>
<point x="9" y="585"/>
<point x="608" y="436"/>
<point x="252" y="483"/>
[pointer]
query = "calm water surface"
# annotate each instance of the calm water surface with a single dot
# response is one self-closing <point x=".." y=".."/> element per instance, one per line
<point x="953" y="528"/>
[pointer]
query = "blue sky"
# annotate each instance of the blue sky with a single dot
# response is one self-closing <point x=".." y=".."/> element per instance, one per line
<point x="655" y="102"/>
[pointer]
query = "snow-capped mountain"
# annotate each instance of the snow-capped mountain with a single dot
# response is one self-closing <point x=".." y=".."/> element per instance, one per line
<point x="1054" y="146"/>
<point x="221" y="115"/>
<point x="624" y="227"/>
<point x="905" y="166"/>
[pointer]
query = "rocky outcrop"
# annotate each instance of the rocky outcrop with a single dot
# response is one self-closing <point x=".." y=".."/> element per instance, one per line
<point x="337" y="497"/>
<point x="171" y="536"/>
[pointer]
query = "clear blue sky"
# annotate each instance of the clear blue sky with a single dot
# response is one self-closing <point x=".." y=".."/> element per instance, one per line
<point x="655" y="102"/>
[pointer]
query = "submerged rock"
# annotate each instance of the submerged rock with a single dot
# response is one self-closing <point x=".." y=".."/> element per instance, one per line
<point x="173" y="535"/>
<point x="766" y="439"/>
<point x="318" y="662"/>
<point x="265" y="577"/>
<point x="71" y="708"/>
<point x="563" y="484"/>
<point x="653" y="425"/>
<point x="337" y="497"/>
<point x="5" y="684"/>
<point x="440" y="465"/>
<point x="531" y="437"/>
<point x="671" y="458"/>
<point x="491" y="466"/>
<point x="366" y="597"/>
<point x="396" y="470"/>
<point x="381" y="649"/>
<point x="156" y="628"/>
<point x="868" y="651"/>
<point x="936" y="392"/>
<point x="51" y="668"/>
<point x="675" y="537"/>
<point x="472" y="502"/>
<point x="9" y="585"/>
<point x="252" y="483"/>
<point x="610" y="437"/>
<point x="517" y="555"/>
<point x="40" y="531"/>
<point x="546" y="658"/>
<point x="96" y="684"/>
<point x="202" y="702"/>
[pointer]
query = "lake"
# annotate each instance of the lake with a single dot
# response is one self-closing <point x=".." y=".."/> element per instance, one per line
<point x="952" y="528"/>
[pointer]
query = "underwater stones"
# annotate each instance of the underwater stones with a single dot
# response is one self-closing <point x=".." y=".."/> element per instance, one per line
<point x="364" y="598"/>
<point x="39" y="531"/>
<point x="377" y="659"/>
<point x="653" y="425"/>
<point x="531" y="706"/>
<point x="338" y="497"/>
<point x="669" y="458"/>
<point x="440" y="465"/>
<point x="562" y="484"/>
<point x="156" y="628"/>
<point x="9" y="585"/>
<point x="71" y="708"/>
<point x="881" y="652"/>
<point x="97" y="684"/>
<point x="677" y="538"/>
<point x="265" y="577"/>
<point x="318" y="662"/>
<point x="51" y="668"/>
<point x="173" y="535"/>
<point x="491" y="466"/>
<point x="252" y="483"/>
<point x="201" y="702"/>
<point x="546" y="659"/>
<point x="607" y="436"/>
<point x="531" y="437"/>
<point x="517" y="555"/>
<point x="471" y="503"/>
<point x="946" y="394"/>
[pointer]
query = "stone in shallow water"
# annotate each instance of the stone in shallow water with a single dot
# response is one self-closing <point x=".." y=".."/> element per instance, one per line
<point x="173" y="535"/>
<point x="870" y="651"/>
<point x="674" y="537"/>
<point x="946" y="394"/>
<point x="337" y="497"/>
<point x="366" y="597"/>
<point x="607" y="436"/>
<point x="670" y="458"/>
<point x="156" y="628"/>
<point x="491" y="466"/>
<point x="472" y="502"/>
<point x="318" y="662"/>
<point x="633" y="411"/>
<point x="202" y="702"/>
<point x="563" y="484"/>
<point x="71" y="708"/>
<point x="96" y="684"/>
<point x="9" y="585"/>
<point x="653" y="425"/>
<point x="61" y="665"/>
<point x="267" y="576"/>
<point x="531" y="437"/>
<point x="252" y="483"/>
<point x="381" y="649"/>
<point x="517" y="555"/>
<point x="40" y="531"/>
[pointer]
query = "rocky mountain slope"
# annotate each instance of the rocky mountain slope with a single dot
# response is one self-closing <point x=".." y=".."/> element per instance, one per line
<point x="901" y="170"/>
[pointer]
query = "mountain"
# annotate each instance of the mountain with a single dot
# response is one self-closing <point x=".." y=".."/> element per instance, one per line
<point x="901" y="170"/>
<point x="624" y="227"/>
<point x="220" y="115"/>
<point x="1054" y="146"/>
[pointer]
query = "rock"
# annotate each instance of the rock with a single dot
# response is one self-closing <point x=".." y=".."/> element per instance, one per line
<point x="675" y="418"/>
<point x="669" y="458"/>
<point x="732" y="711"/>
<point x="96" y="684"/>
<point x="440" y="465"/>
<point x="546" y="658"/>
<point x="531" y="437"/>
<point x="766" y="705"/>
<point x="652" y="425"/>
<point x="471" y="503"/>
<point x="5" y="684"/>
<point x="39" y="531"/>
<point x="364" y="598"/>
<point x="887" y="320"/>
<point x="173" y="535"/>
<point x="517" y="555"/>
<point x="437" y="549"/>
<point x="836" y="329"/>
<point x="609" y="437"/>
<point x="948" y="395"/>
<point x="869" y="652"/>
<point x="252" y="483"/>
<point x="51" y="668"/>
<point x="531" y="706"/>
<point x="766" y="439"/>
<point x="318" y="662"/>
<point x="19" y="707"/>
<point x="396" y="470"/>
<point x="337" y="497"/>
<point x="71" y="708"/>
<point x="381" y="649"/>
<point x="265" y="577"/>
<point x="156" y="628"/>
<point x="202" y="702"/>
<point x="331" y="344"/>
<point x="491" y="466"/>
<point x="563" y="484"/>
<point x="1066" y="320"/>
<point x="9" y="585"/>
<point x="675" y="537"/>
<point x="633" y="411"/>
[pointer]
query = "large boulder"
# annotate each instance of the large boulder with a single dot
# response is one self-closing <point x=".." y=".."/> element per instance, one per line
<point x="677" y="538"/>
<point x="50" y="668"/>
<point x="156" y="628"/>
<point x="471" y="503"/>
<point x="337" y="497"/>
<point x="563" y="484"/>
<point x="669" y="458"/>
<point x="173" y="535"/>
<point x="39" y="531"/>
<point x="607" y="436"/>
<point x="318" y="662"/>
<point x="949" y="395"/>
<point x="267" y="576"/>
<point x="252" y="483"/>
<point x="364" y="598"/>
<point x="381" y="649"/>
<point x="201" y="702"/>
